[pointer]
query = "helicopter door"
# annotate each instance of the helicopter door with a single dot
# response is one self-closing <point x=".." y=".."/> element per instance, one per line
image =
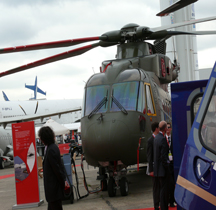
<point x="149" y="101"/>
<point x="195" y="186"/>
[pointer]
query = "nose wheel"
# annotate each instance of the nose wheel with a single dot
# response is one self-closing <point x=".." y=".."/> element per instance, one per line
<point x="111" y="187"/>
<point x="124" y="187"/>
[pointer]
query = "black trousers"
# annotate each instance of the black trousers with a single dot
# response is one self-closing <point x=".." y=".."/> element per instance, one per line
<point x="171" y="188"/>
<point x="156" y="192"/>
<point x="163" y="183"/>
<point x="55" y="205"/>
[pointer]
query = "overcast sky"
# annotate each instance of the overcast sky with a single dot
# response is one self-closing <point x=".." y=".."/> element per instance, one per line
<point x="25" y="22"/>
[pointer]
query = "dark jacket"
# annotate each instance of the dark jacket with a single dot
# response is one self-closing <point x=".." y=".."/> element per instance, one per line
<point x="161" y="162"/>
<point x="150" y="153"/>
<point x="54" y="178"/>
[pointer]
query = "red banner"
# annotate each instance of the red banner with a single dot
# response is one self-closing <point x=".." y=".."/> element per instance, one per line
<point x="25" y="163"/>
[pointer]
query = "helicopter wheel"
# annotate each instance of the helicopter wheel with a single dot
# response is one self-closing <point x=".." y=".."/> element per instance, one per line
<point x="111" y="187"/>
<point x="104" y="184"/>
<point x="103" y="178"/>
<point x="124" y="187"/>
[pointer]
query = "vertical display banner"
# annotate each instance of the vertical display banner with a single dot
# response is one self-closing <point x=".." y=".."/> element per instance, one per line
<point x="25" y="165"/>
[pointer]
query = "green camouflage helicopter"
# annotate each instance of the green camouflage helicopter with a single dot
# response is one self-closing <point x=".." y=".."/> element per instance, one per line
<point x="123" y="100"/>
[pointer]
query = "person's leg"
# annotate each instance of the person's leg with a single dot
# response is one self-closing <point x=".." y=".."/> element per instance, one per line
<point x="156" y="192"/>
<point x="171" y="190"/>
<point x="55" y="205"/>
<point x="164" y="193"/>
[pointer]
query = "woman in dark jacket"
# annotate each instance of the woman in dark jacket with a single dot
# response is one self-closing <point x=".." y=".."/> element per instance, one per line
<point x="54" y="178"/>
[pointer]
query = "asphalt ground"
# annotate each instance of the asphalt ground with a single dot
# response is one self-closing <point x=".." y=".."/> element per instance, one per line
<point x="139" y="197"/>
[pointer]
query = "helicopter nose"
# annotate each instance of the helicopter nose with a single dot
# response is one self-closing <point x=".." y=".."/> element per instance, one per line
<point x="103" y="141"/>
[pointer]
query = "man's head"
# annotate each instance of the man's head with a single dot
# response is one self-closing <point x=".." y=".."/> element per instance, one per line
<point x="163" y="126"/>
<point x="155" y="127"/>
<point x="46" y="135"/>
<point x="169" y="128"/>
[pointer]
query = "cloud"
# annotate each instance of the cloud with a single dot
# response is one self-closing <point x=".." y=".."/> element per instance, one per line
<point x="26" y="22"/>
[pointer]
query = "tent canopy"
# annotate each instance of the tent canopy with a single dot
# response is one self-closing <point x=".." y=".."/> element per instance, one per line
<point x="56" y="127"/>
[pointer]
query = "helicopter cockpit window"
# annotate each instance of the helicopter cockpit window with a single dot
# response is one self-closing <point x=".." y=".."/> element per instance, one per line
<point x="141" y="102"/>
<point x="149" y="99"/>
<point x="208" y="129"/>
<point x="126" y="94"/>
<point x="94" y="96"/>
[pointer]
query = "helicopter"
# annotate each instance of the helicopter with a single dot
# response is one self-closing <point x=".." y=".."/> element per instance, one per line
<point x="122" y="101"/>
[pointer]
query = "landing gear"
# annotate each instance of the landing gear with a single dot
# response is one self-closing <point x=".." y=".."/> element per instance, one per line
<point x="112" y="187"/>
<point x="103" y="178"/>
<point x="124" y="187"/>
<point x="117" y="178"/>
<point x="104" y="184"/>
<point x="2" y="163"/>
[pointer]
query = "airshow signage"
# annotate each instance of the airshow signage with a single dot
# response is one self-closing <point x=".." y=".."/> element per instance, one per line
<point x="25" y="165"/>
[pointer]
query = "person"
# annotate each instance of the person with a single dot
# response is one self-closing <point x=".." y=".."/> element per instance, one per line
<point x="150" y="158"/>
<point x="171" y="167"/>
<point x="65" y="139"/>
<point x="54" y="178"/>
<point x="161" y="164"/>
<point x="76" y="139"/>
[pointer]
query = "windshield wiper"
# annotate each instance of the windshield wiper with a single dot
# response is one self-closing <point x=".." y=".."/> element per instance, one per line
<point x="119" y="105"/>
<point x="97" y="108"/>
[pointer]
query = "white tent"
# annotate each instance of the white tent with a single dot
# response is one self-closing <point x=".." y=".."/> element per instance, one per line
<point x="73" y="126"/>
<point x="56" y="127"/>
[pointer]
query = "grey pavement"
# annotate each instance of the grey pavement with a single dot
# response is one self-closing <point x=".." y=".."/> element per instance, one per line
<point x="140" y="191"/>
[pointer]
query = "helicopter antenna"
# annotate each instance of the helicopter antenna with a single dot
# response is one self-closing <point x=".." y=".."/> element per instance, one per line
<point x="175" y="60"/>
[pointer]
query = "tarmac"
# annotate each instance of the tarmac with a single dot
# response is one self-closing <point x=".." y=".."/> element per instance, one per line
<point x="139" y="197"/>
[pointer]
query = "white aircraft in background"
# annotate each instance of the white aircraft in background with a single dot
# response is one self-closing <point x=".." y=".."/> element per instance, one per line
<point x="68" y="111"/>
<point x="16" y="111"/>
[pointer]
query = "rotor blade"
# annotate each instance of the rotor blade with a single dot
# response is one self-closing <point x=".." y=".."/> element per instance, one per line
<point x="163" y="35"/>
<point x="51" y="59"/>
<point x="204" y="32"/>
<point x="47" y="45"/>
<point x="176" y="6"/>
<point x="175" y="25"/>
<point x="61" y="56"/>
<point x="166" y="34"/>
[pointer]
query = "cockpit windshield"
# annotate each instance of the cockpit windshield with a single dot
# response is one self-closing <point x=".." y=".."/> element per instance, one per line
<point x="126" y="94"/>
<point x="94" y="96"/>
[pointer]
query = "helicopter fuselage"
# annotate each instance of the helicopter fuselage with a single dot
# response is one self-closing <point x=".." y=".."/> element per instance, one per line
<point x="121" y="103"/>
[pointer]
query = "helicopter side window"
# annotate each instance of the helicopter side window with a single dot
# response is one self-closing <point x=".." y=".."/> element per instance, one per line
<point x="195" y="106"/>
<point x="94" y="95"/>
<point x="149" y="100"/>
<point x="126" y="94"/>
<point x="208" y="129"/>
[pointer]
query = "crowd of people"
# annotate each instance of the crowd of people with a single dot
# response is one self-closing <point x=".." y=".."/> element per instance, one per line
<point x="160" y="165"/>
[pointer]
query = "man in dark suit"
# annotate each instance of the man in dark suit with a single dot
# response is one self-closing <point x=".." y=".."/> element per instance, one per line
<point x="150" y="158"/>
<point x="54" y="178"/>
<point x="161" y="164"/>
<point x="171" y="169"/>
